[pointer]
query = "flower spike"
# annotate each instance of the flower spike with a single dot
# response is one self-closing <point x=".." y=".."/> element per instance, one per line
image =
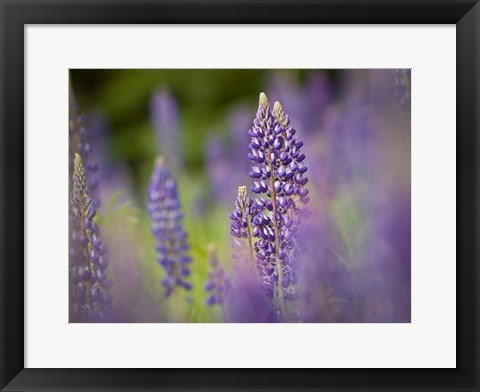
<point x="167" y="228"/>
<point x="90" y="297"/>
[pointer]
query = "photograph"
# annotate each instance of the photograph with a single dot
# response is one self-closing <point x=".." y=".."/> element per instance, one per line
<point x="239" y="195"/>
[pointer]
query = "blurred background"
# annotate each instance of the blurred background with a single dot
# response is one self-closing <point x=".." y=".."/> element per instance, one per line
<point x="356" y="128"/>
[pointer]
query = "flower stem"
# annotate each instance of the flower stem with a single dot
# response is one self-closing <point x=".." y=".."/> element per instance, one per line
<point x="277" y="239"/>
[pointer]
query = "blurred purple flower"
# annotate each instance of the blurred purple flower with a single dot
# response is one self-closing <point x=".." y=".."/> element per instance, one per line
<point x="220" y="169"/>
<point x="348" y="146"/>
<point x="80" y="142"/>
<point x="167" y="228"/>
<point x="355" y="266"/>
<point x="283" y="87"/>
<point x="317" y="102"/>
<point x="218" y="285"/>
<point x="246" y="302"/>
<point x="225" y="157"/>
<point x="112" y="175"/>
<point x="89" y="286"/>
<point x="239" y="123"/>
<point x="402" y="84"/>
<point x="386" y="275"/>
<point x="164" y="113"/>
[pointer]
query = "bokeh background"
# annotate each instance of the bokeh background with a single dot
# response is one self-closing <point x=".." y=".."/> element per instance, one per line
<point x="356" y="128"/>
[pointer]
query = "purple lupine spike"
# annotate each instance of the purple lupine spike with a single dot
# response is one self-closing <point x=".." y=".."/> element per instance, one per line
<point x="164" y="113"/>
<point x="402" y="84"/>
<point x="89" y="285"/>
<point x="218" y="284"/>
<point x="282" y="197"/>
<point x="167" y="228"/>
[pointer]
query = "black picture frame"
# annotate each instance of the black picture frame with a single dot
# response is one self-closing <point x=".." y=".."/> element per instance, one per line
<point x="15" y="14"/>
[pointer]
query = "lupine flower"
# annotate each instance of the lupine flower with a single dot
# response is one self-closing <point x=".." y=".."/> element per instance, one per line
<point x="80" y="142"/>
<point x="218" y="284"/>
<point x="167" y="228"/>
<point x="219" y="169"/>
<point x="318" y="102"/>
<point x="164" y="113"/>
<point x="402" y="83"/>
<point x="90" y="296"/>
<point x="350" y="138"/>
<point x="279" y="182"/>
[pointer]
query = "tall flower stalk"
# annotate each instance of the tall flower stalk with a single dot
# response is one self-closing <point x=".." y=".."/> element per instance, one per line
<point x="278" y="210"/>
<point x="89" y="284"/>
<point x="167" y="228"/>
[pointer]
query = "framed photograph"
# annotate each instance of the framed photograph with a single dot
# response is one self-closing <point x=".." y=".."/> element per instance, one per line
<point x="239" y="195"/>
